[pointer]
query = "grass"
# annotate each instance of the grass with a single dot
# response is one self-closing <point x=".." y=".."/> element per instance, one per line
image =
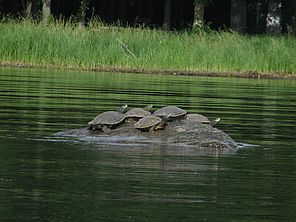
<point x="65" y="45"/>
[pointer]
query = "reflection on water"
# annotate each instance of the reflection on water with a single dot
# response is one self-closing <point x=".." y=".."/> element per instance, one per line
<point x="43" y="178"/>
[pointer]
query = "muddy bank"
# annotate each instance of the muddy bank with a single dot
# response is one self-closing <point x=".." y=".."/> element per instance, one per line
<point x="249" y="74"/>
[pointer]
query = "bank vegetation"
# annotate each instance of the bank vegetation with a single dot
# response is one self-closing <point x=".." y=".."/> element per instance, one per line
<point x="113" y="48"/>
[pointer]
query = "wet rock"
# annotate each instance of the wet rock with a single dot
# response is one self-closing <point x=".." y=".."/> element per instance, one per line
<point x="178" y="132"/>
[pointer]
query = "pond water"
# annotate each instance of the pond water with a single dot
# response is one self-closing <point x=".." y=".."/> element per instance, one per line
<point x="43" y="178"/>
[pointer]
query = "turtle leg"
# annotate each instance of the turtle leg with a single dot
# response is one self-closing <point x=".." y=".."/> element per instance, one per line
<point x="96" y="127"/>
<point x="161" y="126"/>
<point x="91" y="127"/>
<point x="106" y="129"/>
<point x="152" y="129"/>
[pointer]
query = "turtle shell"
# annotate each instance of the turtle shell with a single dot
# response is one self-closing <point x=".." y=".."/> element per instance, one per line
<point x="172" y="111"/>
<point x="137" y="113"/>
<point x="108" y="118"/>
<point x="148" y="122"/>
<point x="198" y="118"/>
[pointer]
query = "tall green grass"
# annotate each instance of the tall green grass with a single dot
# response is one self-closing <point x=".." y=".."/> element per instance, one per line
<point x="65" y="45"/>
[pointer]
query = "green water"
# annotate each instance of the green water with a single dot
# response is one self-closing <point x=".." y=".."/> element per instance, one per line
<point x="43" y="178"/>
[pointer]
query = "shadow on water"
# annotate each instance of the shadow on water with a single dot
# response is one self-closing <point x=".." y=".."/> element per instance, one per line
<point x="44" y="178"/>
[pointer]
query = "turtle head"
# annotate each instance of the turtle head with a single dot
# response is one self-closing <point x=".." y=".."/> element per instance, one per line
<point x="163" y="123"/>
<point x="215" y="122"/>
<point x="123" y="108"/>
<point x="166" y="118"/>
<point x="149" y="107"/>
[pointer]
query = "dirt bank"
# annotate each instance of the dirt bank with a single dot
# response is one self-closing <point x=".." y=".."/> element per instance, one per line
<point x="249" y="74"/>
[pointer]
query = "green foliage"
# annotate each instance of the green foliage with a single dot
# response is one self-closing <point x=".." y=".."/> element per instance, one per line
<point x="65" y="45"/>
<point x="84" y="6"/>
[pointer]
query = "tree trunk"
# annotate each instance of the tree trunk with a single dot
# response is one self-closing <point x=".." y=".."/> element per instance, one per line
<point x="238" y="16"/>
<point x="82" y="13"/>
<point x="29" y="8"/>
<point x="167" y="14"/>
<point x="46" y="5"/>
<point x="32" y="8"/>
<point x="84" y="8"/>
<point x="288" y="11"/>
<point x="198" y="17"/>
<point x="251" y="16"/>
<point x="263" y="16"/>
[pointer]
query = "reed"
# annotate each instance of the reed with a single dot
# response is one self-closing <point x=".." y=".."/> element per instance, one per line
<point x="66" y="45"/>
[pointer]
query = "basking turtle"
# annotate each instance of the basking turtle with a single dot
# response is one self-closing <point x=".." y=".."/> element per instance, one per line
<point x="106" y="120"/>
<point x="198" y="118"/>
<point x="173" y="111"/>
<point x="138" y="113"/>
<point x="151" y="123"/>
<point x="202" y="119"/>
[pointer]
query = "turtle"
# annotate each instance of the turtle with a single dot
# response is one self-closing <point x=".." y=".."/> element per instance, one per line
<point x="198" y="118"/>
<point x="202" y="119"/>
<point x="107" y="120"/>
<point x="151" y="123"/>
<point x="174" y="112"/>
<point x="138" y="113"/>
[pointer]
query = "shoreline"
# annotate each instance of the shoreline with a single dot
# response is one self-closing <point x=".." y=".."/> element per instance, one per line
<point x="138" y="70"/>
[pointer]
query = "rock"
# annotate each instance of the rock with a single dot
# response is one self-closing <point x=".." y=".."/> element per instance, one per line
<point x="183" y="132"/>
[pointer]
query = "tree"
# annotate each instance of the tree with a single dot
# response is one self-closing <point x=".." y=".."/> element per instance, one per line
<point x="288" y="11"/>
<point x="46" y="10"/>
<point x="257" y="12"/>
<point x="32" y="8"/>
<point x="198" y="18"/>
<point x="263" y="12"/>
<point x="84" y="6"/>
